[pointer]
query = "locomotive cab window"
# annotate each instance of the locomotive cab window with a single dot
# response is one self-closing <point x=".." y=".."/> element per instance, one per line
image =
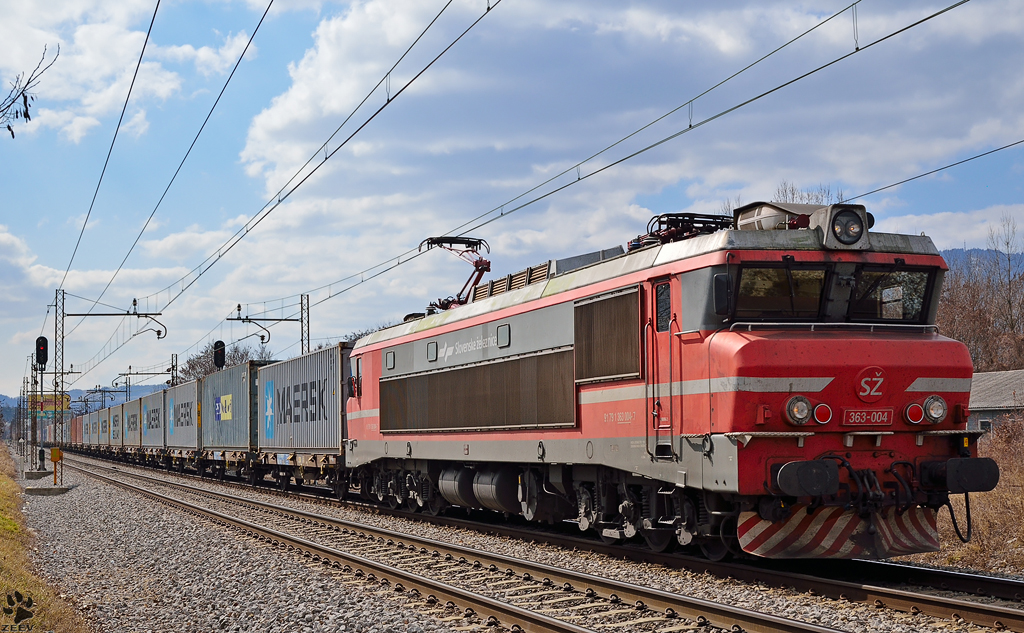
<point x="663" y="305"/>
<point x="890" y="294"/>
<point x="780" y="292"/>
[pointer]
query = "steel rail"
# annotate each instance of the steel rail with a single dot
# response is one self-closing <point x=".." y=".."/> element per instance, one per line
<point x="716" y="614"/>
<point x="528" y="621"/>
<point x="811" y="579"/>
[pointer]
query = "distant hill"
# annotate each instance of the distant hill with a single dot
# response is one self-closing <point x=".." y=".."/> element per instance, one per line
<point x="10" y="402"/>
<point x="954" y="256"/>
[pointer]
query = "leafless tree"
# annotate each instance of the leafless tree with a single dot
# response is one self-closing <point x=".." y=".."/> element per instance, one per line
<point x="823" y="195"/>
<point x="729" y="204"/>
<point x="200" y="364"/>
<point x="982" y="303"/>
<point x="15" y="106"/>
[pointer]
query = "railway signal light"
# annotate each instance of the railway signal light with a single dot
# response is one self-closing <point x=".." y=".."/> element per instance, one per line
<point x="218" y="354"/>
<point x="42" y="351"/>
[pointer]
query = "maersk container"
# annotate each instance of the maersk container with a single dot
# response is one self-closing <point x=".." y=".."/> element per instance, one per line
<point x="103" y="423"/>
<point x="301" y="400"/>
<point x="116" y="426"/>
<point x="153" y="420"/>
<point x="183" y="416"/>
<point x="228" y="420"/>
<point x="131" y="413"/>
<point x="90" y="429"/>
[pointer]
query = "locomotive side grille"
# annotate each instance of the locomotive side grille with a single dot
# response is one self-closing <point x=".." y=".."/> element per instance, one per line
<point x="533" y="391"/>
<point x="607" y="337"/>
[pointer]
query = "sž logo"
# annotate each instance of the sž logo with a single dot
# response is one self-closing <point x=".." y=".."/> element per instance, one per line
<point x="868" y="384"/>
<point x="18" y="606"/>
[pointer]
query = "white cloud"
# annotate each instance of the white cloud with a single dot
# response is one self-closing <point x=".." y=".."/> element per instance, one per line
<point x="952" y="229"/>
<point x="137" y="125"/>
<point x="208" y="60"/>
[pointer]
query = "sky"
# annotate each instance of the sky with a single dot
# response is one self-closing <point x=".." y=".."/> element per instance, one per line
<point x="528" y="92"/>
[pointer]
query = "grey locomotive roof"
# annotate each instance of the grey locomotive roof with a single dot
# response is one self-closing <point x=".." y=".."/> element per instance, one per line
<point x="805" y="240"/>
<point x="998" y="391"/>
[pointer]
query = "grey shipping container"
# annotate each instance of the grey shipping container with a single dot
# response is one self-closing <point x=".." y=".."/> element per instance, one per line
<point x="116" y="427"/>
<point x="131" y="414"/>
<point x="103" y="422"/>
<point x="228" y="409"/>
<point x="301" y="400"/>
<point x="183" y="417"/>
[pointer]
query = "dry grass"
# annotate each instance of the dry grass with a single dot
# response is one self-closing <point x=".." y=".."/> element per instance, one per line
<point x="50" y="612"/>
<point x="998" y="540"/>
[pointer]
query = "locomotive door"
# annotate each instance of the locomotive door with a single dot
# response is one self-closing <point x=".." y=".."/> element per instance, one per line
<point x="663" y="414"/>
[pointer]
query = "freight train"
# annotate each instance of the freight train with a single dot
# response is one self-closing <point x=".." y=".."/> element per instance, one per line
<point x="770" y="383"/>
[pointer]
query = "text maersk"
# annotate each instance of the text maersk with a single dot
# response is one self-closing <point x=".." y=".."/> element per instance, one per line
<point x="304" y="402"/>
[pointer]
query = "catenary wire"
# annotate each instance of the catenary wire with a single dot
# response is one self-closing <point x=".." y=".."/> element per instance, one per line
<point x="599" y="152"/>
<point x="180" y="165"/>
<point x="111" y="149"/>
<point x="929" y="173"/>
<point x="257" y="219"/>
<point x="649" y="147"/>
<point x="413" y="254"/>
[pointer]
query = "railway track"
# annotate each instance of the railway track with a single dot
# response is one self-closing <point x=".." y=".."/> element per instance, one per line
<point x="480" y="588"/>
<point x="806" y="576"/>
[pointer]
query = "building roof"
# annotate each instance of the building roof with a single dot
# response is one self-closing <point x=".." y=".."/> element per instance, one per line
<point x="998" y="390"/>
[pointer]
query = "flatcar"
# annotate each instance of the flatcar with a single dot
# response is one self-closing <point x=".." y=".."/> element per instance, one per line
<point x="767" y="384"/>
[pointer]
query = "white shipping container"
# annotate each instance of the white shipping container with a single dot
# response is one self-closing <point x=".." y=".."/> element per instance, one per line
<point x="91" y="433"/>
<point x="183" y="416"/>
<point x="116" y="426"/>
<point x="153" y="420"/>
<point x="301" y="403"/>
<point x="103" y="417"/>
<point x="131" y="413"/>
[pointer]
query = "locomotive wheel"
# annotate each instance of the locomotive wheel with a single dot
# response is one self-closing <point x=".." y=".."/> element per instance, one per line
<point x="659" y="540"/>
<point x="393" y="502"/>
<point x="434" y="505"/>
<point x="411" y="505"/>
<point x="714" y="549"/>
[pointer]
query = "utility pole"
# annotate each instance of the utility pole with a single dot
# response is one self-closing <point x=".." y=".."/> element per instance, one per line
<point x="58" y="379"/>
<point x="303" y="321"/>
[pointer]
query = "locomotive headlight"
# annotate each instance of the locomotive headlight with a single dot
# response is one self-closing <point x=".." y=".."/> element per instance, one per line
<point x="798" y="410"/>
<point x="935" y="409"/>
<point x="848" y="227"/>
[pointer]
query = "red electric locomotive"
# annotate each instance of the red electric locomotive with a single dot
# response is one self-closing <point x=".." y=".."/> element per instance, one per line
<point x="771" y="383"/>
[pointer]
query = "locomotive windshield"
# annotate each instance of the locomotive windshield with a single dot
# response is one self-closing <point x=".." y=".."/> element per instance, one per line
<point x="881" y="294"/>
<point x="783" y="293"/>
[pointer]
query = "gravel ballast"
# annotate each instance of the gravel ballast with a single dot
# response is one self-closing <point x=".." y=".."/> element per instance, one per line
<point x="787" y="603"/>
<point x="132" y="564"/>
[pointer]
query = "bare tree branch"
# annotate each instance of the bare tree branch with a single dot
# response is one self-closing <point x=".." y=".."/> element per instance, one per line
<point x="15" y="106"/>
